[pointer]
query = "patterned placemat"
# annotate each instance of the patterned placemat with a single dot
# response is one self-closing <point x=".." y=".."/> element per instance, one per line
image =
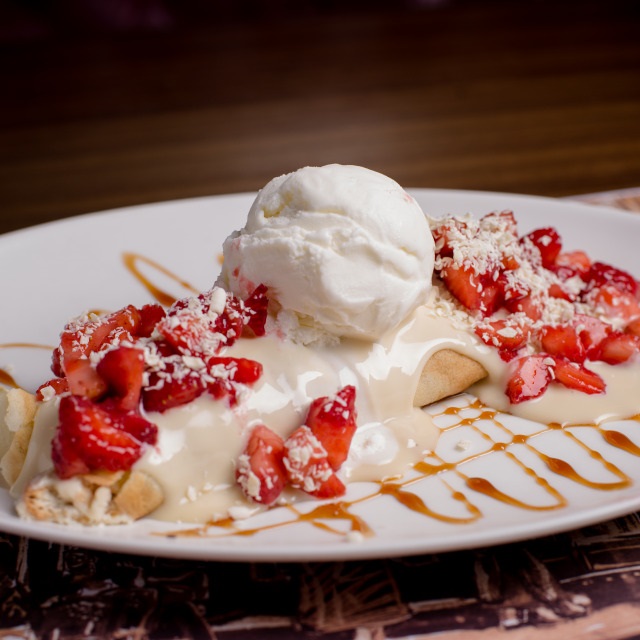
<point x="582" y="584"/>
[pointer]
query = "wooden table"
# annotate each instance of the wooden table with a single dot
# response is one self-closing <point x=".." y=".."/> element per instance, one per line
<point x="527" y="97"/>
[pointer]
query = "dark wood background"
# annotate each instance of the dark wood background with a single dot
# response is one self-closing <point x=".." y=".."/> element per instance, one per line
<point x="105" y="104"/>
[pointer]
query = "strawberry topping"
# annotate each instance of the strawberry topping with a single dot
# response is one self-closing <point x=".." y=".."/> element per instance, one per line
<point x="548" y="310"/>
<point x="308" y="459"/>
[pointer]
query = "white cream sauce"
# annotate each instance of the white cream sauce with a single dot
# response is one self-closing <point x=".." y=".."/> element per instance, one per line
<point x="194" y="459"/>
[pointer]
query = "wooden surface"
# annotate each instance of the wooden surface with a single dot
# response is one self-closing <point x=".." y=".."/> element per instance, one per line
<point x="535" y="97"/>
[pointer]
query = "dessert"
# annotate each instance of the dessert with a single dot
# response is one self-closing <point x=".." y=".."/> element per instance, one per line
<point x="340" y="311"/>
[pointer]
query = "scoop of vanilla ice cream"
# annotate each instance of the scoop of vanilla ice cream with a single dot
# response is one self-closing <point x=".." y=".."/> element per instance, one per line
<point x="344" y="251"/>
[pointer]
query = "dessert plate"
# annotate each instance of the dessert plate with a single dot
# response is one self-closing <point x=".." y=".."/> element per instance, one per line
<point x="495" y="478"/>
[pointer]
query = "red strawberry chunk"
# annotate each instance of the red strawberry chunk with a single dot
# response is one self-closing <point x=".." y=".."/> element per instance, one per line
<point x="592" y="332"/>
<point x="604" y="274"/>
<point x="260" y="471"/>
<point x="477" y="292"/>
<point x="615" y="303"/>
<point x="529" y="305"/>
<point x="333" y="421"/>
<point x="90" y="437"/>
<point x="576" y="261"/>
<point x="255" y="310"/>
<point x="530" y="377"/>
<point x="172" y="387"/>
<point x="308" y="467"/>
<point x="548" y="243"/>
<point x="564" y="341"/>
<point x="633" y="327"/>
<point x="57" y="386"/>
<point x="504" y="334"/>
<point x="83" y="337"/>
<point x="228" y="373"/>
<point x="150" y="315"/>
<point x="618" y="347"/>
<point x="122" y="370"/>
<point x="83" y="379"/>
<point x="576" y="376"/>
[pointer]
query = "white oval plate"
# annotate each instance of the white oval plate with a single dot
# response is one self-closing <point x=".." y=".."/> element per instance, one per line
<point x="55" y="271"/>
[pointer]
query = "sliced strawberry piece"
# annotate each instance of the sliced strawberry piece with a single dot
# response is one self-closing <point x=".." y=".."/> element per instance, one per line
<point x="92" y="435"/>
<point x="260" y="471"/>
<point x="576" y="376"/>
<point x="530" y="377"/>
<point x="529" y="305"/>
<point x="201" y="326"/>
<point x="150" y="315"/>
<point x="83" y="379"/>
<point x="618" y="347"/>
<point x="308" y="467"/>
<point x="333" y="421"/>
<point x="564" y="341"/>
<point x="548" y="243"/>
<point x="443" y="233"/>
<point x="592" y="332"/>
<point x="601" y="274"/>
<point x="228" y="373"/>
<point x="633" y="327"/>
<point x="577" y="261"/>
<point x="615" y="303"/>
<point x="255" y="310"/>
<point x="504" y="334"/>
<point x="477" y="292"/>
<point x="500" y="220"/>
<point x="122" y="370"/>
<point x="173" y="387"/>
<point x="56" y="385"/>
<point x="557" y="291"/>
<point x="81" y="338"/>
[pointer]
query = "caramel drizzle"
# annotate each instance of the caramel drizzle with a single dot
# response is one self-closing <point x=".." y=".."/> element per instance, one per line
<point x="324" y="514"/>
<point x="131" y="261"/>
<point x="435" y="466"/>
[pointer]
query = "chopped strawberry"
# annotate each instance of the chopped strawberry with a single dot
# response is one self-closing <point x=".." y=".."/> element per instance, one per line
<point x="201" y="326"/>
<point x="501" y="219"/>
<point x="506" y="335"/>
<point x="557" y="291"/>
<point x="592" y="332"/>
<point x="260" y="472"/>
<point x="604" y="274"/>
<point x="81" y="338"/>
<point x="615" y="303"/>
<point x="91" y="438"/>
<point x="122" y="370"/>
<point x="150" y="315"/>
<point x="255" y="310"/>
<point x="576" y="261"/>
<point x="442" y="235"/>
<point x="477" y="292"/>
<point x="529" y="305"/>
<point x="564" y="341"/>
<point x="576" y="376"/>
<point x="56" y="385"/>
<point x="228" y="373"/>
<point x="308" y="467"/>
<point x="548" y="242"/>
<point x="618" y="347"/>
<point x="83" y="379"/>
<point x="333" y="421"/>
<point x="530" y="377"/>
<point x="172" y="387"/>
<point x="633" y="327"/>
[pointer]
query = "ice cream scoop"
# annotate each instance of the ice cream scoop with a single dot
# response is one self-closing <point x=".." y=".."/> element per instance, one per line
<point x="344" y="251"/>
